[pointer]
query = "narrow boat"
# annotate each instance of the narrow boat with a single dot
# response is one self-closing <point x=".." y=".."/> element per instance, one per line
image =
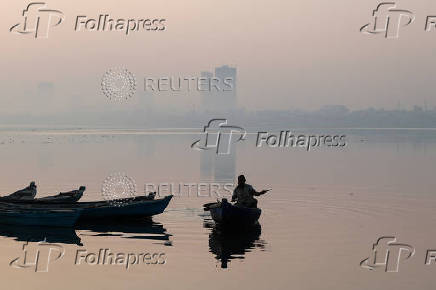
<point x="63" y="197"/>
<point x="124" y="208"/>
<point x="225" y="213"/>
<point x="39" y="217"/>
<point x="141" y="206"/>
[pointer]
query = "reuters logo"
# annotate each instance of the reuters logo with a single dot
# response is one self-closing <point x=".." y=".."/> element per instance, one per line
<point x="118" y="189"/>
<point x="118" y="84"/>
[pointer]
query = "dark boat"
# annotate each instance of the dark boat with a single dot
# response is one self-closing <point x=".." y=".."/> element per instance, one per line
<point x="225" y="213"/>
<point x="137" y="207"/>
<point x="39" y="217"/>
<point x="63" y="197"/>
<point x="25" y="194"/>
<point x="141" y="206"/>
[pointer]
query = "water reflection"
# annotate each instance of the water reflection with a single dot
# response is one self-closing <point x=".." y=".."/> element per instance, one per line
<point x="228" y="244"/>
<point x="144" y="229"/>
<point x="38" y="234"/>
<point x="219" y="168"/>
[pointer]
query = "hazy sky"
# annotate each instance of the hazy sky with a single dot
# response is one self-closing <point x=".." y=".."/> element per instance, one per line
<point x="289" y="54"/>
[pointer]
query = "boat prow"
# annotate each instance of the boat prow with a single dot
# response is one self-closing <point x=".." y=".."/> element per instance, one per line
<point x="134" y="208"/>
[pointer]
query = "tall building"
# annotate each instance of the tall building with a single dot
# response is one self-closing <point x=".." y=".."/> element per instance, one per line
<point x="221" y="92"/>
<point x="227" y="75"/>
<point x="207" y="96"/>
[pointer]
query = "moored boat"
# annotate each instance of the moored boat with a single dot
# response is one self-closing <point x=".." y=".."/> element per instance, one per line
<point x="39" y="217"/>
<point x="22" y="196"/>
<point x="63" y="197"/>
<point x="124" y="208"/>
<point x="141" y="206"/>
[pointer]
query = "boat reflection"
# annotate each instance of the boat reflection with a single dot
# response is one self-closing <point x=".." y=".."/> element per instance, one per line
<point x="144" y="229"/>
<point x="228" y="244"/>
<point x="39" y="234"/>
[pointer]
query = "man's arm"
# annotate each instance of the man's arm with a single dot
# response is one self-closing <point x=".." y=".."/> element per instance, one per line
<point x="257" y="193"/>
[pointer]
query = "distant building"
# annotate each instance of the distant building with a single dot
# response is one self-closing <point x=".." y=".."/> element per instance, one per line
<point x="221" y="95"/>
<point x="207" y="97"/>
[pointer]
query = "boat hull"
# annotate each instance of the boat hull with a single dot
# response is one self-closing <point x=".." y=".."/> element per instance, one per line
<point x="228" y="214"/>
<point x="40" y="218"/>
<point x="144" y="208"/>
<point x="66" y="214"/>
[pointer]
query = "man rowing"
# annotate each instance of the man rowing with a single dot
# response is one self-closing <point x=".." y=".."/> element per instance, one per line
<point x="244" y="194"/>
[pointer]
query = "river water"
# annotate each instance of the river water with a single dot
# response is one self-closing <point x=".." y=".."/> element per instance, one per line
<point x="326" y="209"/>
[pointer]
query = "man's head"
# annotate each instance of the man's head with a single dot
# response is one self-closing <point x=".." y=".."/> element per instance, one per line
<point x="32" y="184"/>
<point x="241" y="180"/>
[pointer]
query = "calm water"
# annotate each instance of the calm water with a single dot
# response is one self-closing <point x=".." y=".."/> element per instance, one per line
<point x="326" y="209"/>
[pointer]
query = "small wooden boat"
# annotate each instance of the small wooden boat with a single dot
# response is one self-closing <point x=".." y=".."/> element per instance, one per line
<point x="63" y="197"/>
<point x="39" y="217"/>
<point x="141" y="206"/>
<point x="124" y="208"/>
<point x="27" y="193"/>
<point x="227" y="214"/>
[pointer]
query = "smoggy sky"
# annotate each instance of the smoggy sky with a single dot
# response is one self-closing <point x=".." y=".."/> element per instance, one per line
<point x="289" y="54"/>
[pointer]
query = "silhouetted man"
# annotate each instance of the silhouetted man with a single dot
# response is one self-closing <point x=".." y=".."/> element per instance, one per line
<point x="244" y="194"/>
